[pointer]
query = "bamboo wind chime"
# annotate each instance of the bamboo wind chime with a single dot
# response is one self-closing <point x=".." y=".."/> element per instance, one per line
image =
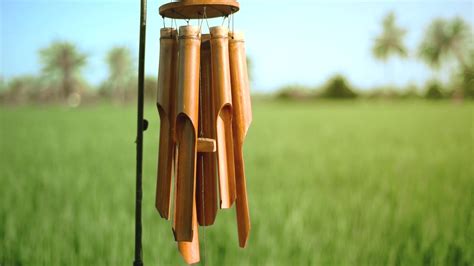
<point x="204" y="107"/>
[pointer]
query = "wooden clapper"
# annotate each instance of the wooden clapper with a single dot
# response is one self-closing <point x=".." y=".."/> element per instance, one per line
<point x="204" y="107"/>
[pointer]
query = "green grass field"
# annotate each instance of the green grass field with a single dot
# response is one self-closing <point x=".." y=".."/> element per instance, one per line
<point x="349" y="183"/>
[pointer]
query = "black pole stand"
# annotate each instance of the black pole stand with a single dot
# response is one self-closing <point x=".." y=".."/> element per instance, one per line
<point x="141" y="126"/>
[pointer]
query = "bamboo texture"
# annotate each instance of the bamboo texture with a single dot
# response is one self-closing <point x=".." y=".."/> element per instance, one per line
<point x="222" y="98"/>
<point x="166" y="97"/>
<point x="207" y="184"/>
<point x="242" y="117"/>
<point x="190" y="250"/>
<point x="204" y="105"/>
<point x="186" y="130"/>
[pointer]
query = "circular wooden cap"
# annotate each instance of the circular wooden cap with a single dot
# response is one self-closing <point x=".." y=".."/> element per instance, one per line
<point x="193" y="9"/>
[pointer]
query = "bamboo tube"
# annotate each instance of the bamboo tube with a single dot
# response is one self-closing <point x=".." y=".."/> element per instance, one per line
<point x="207" y="187"/>
<point x="166" y="103"/>
<point x="199" y="185"/>
<point x="199" y="164"/>
<point x="221" y="88"/>
<point x="242" y="117"/>
<point x="190" y="250"/>
<point x="186" y="130"/>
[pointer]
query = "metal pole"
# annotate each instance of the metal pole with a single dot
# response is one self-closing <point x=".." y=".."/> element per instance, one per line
<point x="141" y="126"/>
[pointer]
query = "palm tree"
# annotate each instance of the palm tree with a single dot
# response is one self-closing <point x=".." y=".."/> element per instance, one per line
<point x="390" y="41"/>
<point x="443" y="39"/>
<point x="466" y="76"/>
<point x="121" y="71"/>
<point x="62" y="62"/>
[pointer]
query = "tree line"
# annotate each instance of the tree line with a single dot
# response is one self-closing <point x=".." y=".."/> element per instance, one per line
<point x="61" y="79"/>
<point x="444" y="41"/>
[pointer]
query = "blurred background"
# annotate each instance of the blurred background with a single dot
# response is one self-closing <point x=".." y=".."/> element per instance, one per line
<point x="360" y="152"/>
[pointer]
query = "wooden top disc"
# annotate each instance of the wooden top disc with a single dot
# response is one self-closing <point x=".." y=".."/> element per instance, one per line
<point x="193" y="9"/>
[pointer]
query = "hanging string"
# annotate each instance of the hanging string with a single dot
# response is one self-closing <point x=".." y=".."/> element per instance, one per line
<point x="207" y="21"/>
<point x="201" y="20"/>
<point x="233" y="20"/>
<point x="225" y="17"/>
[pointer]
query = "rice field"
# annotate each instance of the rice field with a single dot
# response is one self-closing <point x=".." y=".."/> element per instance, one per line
<point x="330" y="183"/>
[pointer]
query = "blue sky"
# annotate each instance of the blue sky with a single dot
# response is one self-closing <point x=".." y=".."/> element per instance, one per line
<point x="290" y="42"/>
